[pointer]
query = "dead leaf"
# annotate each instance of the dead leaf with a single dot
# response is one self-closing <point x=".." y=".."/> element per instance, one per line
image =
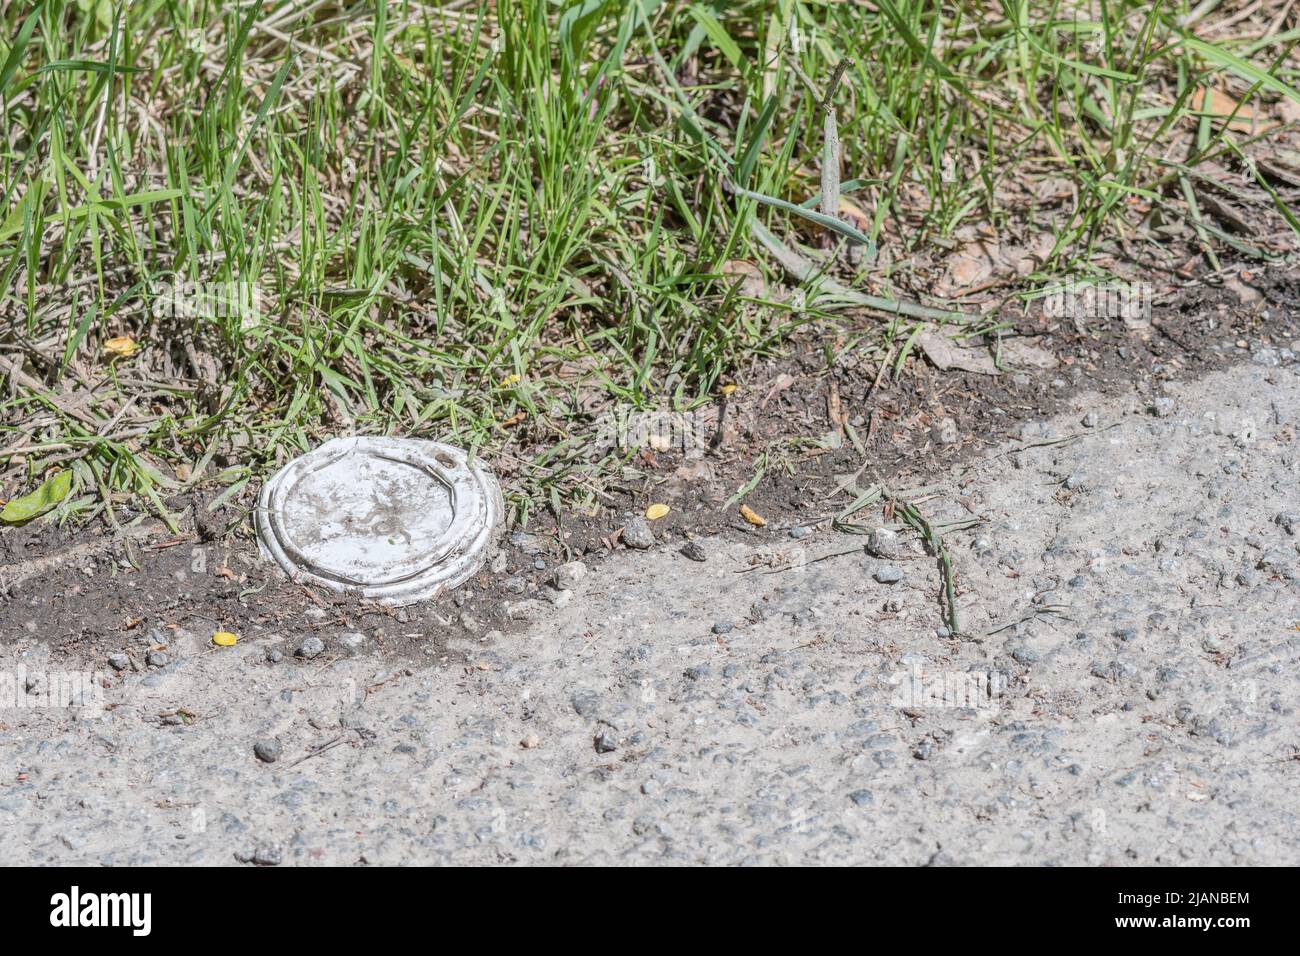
<point x="1289" y="110"/>
<point x="1283" y="165"/>
<point x="752" y="283"/>
<point x="835" y="408"/>
<point x="971" y="266"/>
<point x="1224" y="211"/>
<point x="782" y="382"/>
<point x="1220" y="105"/>
<point x="752" y="516"/>
<point x="697" y="469"/>
<point x="1023" y="353"/>
<point x="1025" y="257"/>
<point x="855" y="214"/>
<point x="965" y="271"/>
<point x="656" y="511"/>
<point x="1244" y="293"/>
<point x="947" y="354"/>
<point x="1052" y="189"/>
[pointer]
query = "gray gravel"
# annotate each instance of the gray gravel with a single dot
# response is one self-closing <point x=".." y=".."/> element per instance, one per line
<point x="1125" y="693"/>
<point x="695" y="551"/>
<point x="311" y="647"/>
<point x="268" y="750"/>
<point x="884" y="543"/>
<point x="637" y="534"/>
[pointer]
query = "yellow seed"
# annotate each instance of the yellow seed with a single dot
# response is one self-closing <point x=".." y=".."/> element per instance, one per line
<point x="224" y="639"/>
<point x="655" y="512"/>
<point x="728" y="389"/>
<point x="752" y="516"/>
<point x="123" y="346"/>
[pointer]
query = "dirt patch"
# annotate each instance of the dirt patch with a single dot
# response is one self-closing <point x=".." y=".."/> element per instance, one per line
<point x="89" y="592"/>
<point x="1122" y="692"/>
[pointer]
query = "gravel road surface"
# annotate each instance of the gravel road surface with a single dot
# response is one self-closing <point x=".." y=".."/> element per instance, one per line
<point x="1123" y="690"/>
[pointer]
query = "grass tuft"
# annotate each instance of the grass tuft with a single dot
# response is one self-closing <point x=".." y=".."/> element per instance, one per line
<point x="486" y="221"/>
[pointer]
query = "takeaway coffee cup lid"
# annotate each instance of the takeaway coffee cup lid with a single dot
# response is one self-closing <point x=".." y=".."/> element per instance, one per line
<point x="397" y="520"/>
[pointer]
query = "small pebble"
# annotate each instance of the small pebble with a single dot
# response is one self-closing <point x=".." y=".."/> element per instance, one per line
<point x="119" y="661"/>
<point x="605" y="743"/>
<point x="884" y="543"/>
<point x="558" y="598"/>
<point x="637" y="534"/>
<point x="888" y="575"/>
<point x="268" y="854"/>
<point x="268" y="751"/>
<point x="695" y="551"/>
<point x="1162" y="407"/>
<point x="311" y="647"/>
<point x="157" y="659"/>
<point x="945" y="432"/>
<point x="568" y="575"/>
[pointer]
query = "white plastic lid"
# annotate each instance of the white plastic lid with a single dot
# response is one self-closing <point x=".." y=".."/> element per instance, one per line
<point x="397" y="520"/>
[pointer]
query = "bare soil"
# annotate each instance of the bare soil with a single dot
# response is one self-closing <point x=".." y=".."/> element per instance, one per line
<point x="84" y="590"/>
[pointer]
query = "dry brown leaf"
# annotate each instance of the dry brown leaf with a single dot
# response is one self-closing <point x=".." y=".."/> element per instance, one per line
<point x="752" y="516"/>
<point x="1023" y="353"/>
<point x="947" y="354"/>
<point x="752" y="283"/>
<point x="779" y="385"/>
<point x="1289" y="110"/>
<point x="856" y="214"/>
<point x="1220" y="105"/>
<point x="971" y="266"/>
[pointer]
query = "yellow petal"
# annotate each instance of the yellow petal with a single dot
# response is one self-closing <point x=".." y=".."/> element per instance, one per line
<point x="224" y="639"/>
<point x="752" y="516"/>
<point x="122" y="346"/>
<point x="655" y="512"/>
<point x="728" y="389"/>
<point x="510" y="380"/>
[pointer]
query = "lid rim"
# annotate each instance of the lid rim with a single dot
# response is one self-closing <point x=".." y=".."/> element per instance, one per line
<point x="459" y="552"/>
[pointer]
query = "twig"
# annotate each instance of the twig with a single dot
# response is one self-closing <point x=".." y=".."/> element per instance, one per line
<point x="328" y="745"/>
